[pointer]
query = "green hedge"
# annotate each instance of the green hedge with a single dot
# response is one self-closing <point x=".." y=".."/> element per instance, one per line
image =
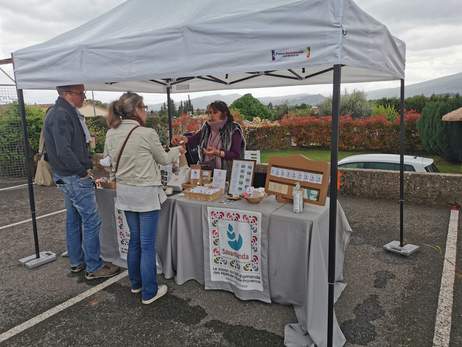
<point x="438" y="137"/>
<point x="11" y="137"/>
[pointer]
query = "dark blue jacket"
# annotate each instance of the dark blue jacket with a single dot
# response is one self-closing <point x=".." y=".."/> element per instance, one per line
<point x="66" y="149"/>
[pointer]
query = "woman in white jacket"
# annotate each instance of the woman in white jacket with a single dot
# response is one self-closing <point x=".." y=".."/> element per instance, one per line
<point x="139" y="190"/>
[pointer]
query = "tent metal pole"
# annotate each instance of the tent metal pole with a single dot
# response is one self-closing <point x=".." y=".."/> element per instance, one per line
<point x="170" y="115"/>
<point x="396" y="246"/>
<point x="39" y="258"/>
<point x="402" y="139"/>
<point x="27" y="160"/>
<point x="333" y="200"/>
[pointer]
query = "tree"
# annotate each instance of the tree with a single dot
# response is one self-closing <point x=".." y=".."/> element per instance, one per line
<point x="354" y="104"/>
<point x="438" y="137"/>
<point x="250" y="107"/>
<point x="300" y="110"/>
<point x="431" y="128"/>
<point x="190" y="108"/>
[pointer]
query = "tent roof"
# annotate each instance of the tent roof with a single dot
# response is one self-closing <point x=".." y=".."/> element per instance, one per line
<point x="143" y="45"/>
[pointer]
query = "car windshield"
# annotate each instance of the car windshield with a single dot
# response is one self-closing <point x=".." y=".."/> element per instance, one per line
<point x="431" y="168"/>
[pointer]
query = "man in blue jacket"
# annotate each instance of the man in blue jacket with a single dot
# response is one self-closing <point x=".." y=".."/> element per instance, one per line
<point x="68" y="156"/>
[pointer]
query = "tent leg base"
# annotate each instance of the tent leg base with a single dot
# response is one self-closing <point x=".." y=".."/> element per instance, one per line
<point x="31" y="262"/>
<point x="406" y="250"/>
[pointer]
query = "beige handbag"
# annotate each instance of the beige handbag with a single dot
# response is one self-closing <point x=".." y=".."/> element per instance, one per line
<point x="43" y="175"/>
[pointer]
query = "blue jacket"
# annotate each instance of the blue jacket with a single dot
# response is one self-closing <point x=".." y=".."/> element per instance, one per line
<point x="66" y="149"/>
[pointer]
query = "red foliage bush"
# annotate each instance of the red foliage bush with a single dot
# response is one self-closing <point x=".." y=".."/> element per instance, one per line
<point x="373" y="133"/>
<point x="185" y="123"/>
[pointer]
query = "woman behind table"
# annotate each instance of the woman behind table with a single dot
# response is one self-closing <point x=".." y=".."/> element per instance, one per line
<point x="139" y="191"/>
<point x="219" y="141"/>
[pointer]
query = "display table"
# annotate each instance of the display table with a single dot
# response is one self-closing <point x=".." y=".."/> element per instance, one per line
<point x="294" y="255"/>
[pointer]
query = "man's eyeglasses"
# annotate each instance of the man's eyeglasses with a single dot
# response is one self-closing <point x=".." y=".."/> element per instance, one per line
<point x="81" y="94"/>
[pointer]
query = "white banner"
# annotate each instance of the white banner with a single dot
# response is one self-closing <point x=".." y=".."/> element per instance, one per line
<point x="123" y="233"/>
<point x="235" y="247"/>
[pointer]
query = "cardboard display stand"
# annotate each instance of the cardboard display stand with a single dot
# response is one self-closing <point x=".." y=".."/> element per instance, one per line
<point x="242" y="174"/>
<point x="195" y="177"/>
<point x="284" y="173"/>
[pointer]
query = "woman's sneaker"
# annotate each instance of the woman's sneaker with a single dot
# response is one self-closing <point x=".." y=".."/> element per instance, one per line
<point x="135" y="291"/>
<point x="108" y="270"/>
<point x="161" y="291"/>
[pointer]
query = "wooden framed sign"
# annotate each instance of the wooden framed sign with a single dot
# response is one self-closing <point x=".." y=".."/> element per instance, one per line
<point x="285" y="172"/>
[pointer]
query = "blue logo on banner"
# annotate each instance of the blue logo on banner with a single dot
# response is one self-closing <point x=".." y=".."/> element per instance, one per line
<point x="234" y="243"/>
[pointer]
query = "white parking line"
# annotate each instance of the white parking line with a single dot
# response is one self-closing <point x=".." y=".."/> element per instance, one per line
<point x="443" y="321"/>
<point x="30" y="219"/>
<point x="51" y="312"/>
<point x="13" y="187"/>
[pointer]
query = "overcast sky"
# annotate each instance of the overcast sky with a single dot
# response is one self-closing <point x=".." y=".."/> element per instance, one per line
<point x="432" y="31"/>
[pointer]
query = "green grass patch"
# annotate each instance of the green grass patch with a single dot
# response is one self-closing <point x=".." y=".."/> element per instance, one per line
<point x="321" y="154"/>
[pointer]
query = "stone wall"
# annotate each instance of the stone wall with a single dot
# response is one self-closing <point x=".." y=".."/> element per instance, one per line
<point x="421" y="188"/>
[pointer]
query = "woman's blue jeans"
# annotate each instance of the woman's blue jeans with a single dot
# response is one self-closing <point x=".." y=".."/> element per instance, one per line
<point x="141" y="259"/>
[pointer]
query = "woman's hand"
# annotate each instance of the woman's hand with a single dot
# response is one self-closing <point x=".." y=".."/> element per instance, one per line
<point x="182" y="149"/>
<point x="179" y="140"/>
<point x="212" y="151"/>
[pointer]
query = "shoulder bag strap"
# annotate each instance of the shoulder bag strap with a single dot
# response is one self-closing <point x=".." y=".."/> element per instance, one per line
<point x="123" y="147"/>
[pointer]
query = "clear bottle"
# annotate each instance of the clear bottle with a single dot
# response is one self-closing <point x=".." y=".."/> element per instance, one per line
<point x="297" y="195"/>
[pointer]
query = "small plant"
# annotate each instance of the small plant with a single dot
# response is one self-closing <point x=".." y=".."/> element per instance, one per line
<point x="388" y="111"/>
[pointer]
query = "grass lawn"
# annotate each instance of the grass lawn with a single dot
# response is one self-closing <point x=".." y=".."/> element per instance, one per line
<point x="321" y="154"/>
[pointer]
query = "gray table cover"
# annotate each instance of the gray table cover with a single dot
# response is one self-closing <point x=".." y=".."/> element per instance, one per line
<point x="296" y="255"/>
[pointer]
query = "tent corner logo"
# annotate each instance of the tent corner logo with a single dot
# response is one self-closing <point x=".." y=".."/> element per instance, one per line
<point x="290" y="53"/>
<point x="234" y="243"/>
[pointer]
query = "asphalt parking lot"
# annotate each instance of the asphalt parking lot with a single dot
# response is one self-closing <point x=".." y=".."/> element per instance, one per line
<point x="389" y="300"/>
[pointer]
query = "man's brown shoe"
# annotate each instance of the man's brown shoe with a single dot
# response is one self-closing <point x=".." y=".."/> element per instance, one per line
<point x="108" y="270"/>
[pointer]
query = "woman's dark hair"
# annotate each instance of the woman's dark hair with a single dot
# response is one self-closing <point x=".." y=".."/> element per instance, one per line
<point x="124" y="108"/>
<point x="222" y="107"/>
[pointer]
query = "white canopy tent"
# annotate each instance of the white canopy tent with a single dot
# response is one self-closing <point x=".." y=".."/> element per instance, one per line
<point x="215" y="44"/>
<point x="186" y="46"/>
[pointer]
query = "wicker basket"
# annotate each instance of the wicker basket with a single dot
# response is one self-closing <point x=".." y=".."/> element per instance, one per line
<point x="202" y="197"/>
<point x="255" y="199"/>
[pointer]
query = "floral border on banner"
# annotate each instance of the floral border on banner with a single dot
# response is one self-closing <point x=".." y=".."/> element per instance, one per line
<point x="123" y="233"/>
<point x="246" y="270"/>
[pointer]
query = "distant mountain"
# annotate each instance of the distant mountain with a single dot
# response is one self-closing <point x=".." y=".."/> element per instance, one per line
<point x="291" y="100"/>
<point x="451" y="84"/>
<point x="296" y="99"/>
